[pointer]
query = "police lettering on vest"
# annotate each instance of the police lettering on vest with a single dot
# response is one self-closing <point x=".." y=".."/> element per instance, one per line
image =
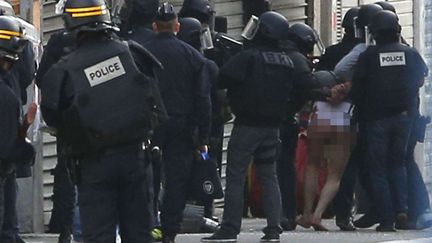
<point x="389" y="59"/>
<point x="277" y="58"/>
<point x="104" y="71"/>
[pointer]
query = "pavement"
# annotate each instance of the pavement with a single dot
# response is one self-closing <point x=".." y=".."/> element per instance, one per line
<point x="251" y="233"/>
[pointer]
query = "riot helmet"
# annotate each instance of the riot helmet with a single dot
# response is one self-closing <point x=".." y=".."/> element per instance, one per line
<point x="386" y="6"/>
<point x="270" y="25"/>
<point x="198" y="9"/>
<point x="6" y="8"/>
<point x="11" y="38"/>
<point x="385" y="25"/>
<point x="194" y="34"/>
<point x="366" y="12"/>
<point x="305" y="38"/>
<point x="87" y="15"/>
<point x="348" y="20"/>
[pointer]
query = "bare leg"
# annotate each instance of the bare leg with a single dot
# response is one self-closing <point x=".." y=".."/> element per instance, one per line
<point x="315" y="156"/>
<point x="339" y="151"/>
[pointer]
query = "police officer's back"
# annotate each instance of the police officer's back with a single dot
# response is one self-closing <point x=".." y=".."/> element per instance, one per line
<point x="92" y="96"/>
<point x="185" y="90"/>
<point x="182" y="85"/>
<point x="395" y="72"/>
<point x="259" y="80"/>
<point x="385" y="90"/>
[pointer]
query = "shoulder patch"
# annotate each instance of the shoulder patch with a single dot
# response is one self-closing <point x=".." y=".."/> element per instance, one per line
<point x="277" y="58"/>
<point x="389" y="59"/>
<point x="104" y="71"/>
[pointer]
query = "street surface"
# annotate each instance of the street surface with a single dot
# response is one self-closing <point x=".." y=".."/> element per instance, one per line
<point x="251" y="233"/>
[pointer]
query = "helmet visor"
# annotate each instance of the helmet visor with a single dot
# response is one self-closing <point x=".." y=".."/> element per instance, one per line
<point x="369" y="39"/>
<point x="206" y="39"/>
<point x="320" y="45"/>
<point x="357" y="31"/>
<point x="251" y="28"/>
<point x="59" y="7"/>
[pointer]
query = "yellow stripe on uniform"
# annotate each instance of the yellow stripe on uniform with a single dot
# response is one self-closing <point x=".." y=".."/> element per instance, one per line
<point x="10" y="33"/>
<point x="88" y="9"/>
<point x="5" y="37"/>
<point x="88" y="14"/>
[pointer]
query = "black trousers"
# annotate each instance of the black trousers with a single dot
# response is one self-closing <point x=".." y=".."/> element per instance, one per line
<point x="9" y="231"/>
<point x="177" y="159"/>
<point x="114" y="191"/>
<point x="356" y="169"/>
<point x="286" y="169"/>
<point x="63" y="194"/>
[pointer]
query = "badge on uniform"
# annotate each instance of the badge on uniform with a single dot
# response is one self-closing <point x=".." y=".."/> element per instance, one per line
<point x="389" y="59"/>
<point x="104" y="71"/>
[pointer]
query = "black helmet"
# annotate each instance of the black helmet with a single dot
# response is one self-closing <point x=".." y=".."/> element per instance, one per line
<point x="270" y="25"/>
<point x="142" y="11"/>
<point x="305" y="34"/>
<point x="199" y="9"/>
<point x="384" y="21"/>
<point x="190" y="31"/>
<point x="365" y="14"/>
<point x="348" y="20"/>
<point x="386" y="6"/>
<point x="166" y="12"/>
<point x="89" y="15"/>
<point x="11" y="42"/>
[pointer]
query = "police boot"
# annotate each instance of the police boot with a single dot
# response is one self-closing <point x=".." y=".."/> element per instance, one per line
<point x="366" y="221"/>
<point x="345" y="224"/>
<point x="65" y="237"/>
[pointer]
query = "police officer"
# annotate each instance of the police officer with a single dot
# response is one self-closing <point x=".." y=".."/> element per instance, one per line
<point x="19" y="78"/>
<point x="137" y="18"/>
<point x="185" y="89"/>
<point x="60" y="44"/>
<point x="104" y="136"/>
<point x="356" y="165"/>
<point x="191" y="33"/>
<point x="13" y="147"/>
<point x="333" y="54"/>
<point x="260" y="81"/>
<point x="302" y="38"/>
<point x="386" y="101"/>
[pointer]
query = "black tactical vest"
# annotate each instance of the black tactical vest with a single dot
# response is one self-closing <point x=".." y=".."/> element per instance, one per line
<point x="112" y="102"/>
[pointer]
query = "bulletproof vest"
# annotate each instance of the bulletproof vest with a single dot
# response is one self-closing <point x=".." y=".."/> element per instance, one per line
<point x="112" y="99"/>
<point x="268" y="87"/>
<point x="393" y="85"/>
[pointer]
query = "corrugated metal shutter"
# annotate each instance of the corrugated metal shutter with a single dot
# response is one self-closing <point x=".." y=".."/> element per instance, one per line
<point x="294" y="10"/>
<point x="49" y="162"/>
<point x="427" y="98"/>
